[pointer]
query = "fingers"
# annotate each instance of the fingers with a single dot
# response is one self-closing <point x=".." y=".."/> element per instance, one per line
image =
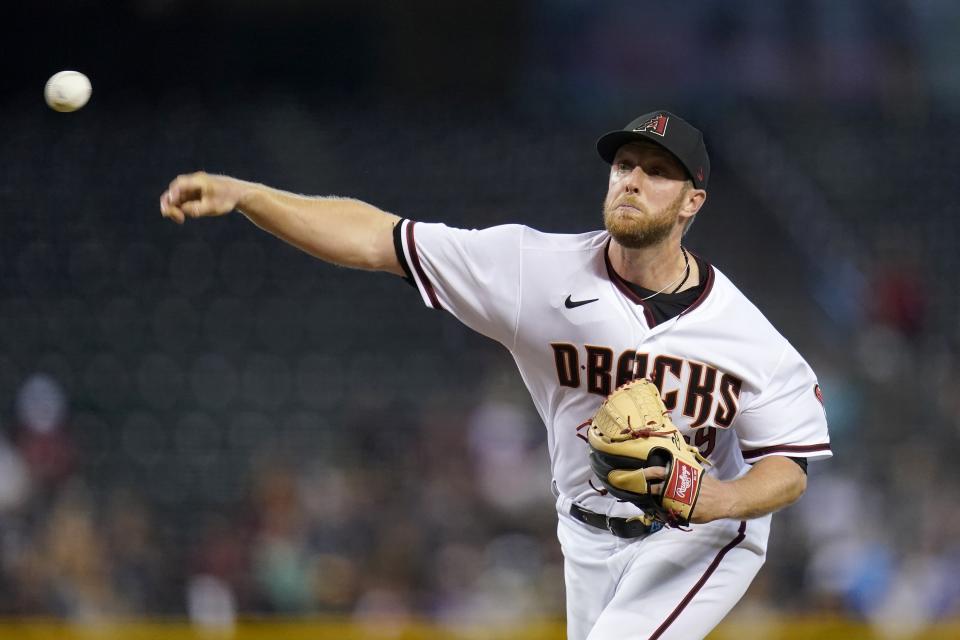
<point x="655" y="477"/>
<point x="169" y="210"/>
<point x="188" y="187"/>
<point x="195" y="208"/>
<point x="184" y="197"/>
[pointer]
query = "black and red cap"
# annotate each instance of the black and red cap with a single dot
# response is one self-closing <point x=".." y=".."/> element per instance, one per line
<point x="671" y="132"/>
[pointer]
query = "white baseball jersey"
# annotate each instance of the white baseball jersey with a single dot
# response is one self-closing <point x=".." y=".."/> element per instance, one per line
<point x="734" y="386"/>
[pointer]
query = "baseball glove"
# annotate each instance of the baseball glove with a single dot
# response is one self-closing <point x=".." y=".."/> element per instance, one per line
<point x="632" y="430"/>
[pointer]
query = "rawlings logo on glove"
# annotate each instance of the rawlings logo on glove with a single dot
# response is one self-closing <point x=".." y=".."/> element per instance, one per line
<point x="631" y="431"/>
<point x="686" y="478"/>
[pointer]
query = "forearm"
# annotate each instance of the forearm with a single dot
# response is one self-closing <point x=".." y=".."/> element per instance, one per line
<point x="771" y="484"/>
<point x="342" y="231"/>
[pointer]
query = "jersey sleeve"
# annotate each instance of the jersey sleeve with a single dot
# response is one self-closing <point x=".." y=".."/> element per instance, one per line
<point x="787" y="417"/>
<point x="473" y="274"/>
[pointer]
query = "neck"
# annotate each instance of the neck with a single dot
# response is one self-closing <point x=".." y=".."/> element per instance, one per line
<point x="653" y="267"/>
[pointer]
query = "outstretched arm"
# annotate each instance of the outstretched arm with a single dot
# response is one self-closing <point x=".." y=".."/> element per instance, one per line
<point x="342" y="231"/>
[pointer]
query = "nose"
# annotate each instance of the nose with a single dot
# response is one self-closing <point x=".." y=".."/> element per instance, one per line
<point x="633" y="183"/>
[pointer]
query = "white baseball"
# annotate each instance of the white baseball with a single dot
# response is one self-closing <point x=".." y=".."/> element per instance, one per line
<point x="67" y="91"/>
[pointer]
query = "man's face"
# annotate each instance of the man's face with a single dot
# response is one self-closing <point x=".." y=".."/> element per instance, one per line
<point x="647" y="190"/>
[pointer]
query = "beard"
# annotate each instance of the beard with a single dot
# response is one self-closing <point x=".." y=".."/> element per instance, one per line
<point x="643" y="228"/>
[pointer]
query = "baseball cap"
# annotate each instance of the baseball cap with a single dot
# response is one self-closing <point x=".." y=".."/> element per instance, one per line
<point x="671" y="132"/>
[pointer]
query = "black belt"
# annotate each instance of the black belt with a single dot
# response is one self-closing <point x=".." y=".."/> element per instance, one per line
<point x="620" y="527"/>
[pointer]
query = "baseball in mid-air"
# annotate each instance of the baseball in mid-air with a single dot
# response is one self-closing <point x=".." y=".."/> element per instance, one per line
<point x="67" y="91"/>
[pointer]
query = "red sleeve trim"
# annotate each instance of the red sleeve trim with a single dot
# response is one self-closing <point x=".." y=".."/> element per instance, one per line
<point x="786" y="448"/>
<point x="424" y="281"/>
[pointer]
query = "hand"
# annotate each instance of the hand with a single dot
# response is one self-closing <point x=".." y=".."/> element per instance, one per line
<point x="712" y="503"/>
<point x="200" y="195"/>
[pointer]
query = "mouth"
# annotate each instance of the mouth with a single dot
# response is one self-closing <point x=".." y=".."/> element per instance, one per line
<point x="628" y="209"/>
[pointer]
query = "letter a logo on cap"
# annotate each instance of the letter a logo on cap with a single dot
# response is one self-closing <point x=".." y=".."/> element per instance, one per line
<point x="657" y="125"/>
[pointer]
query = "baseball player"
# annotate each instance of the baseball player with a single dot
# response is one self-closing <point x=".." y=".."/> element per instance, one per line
<point x="582" y="315"/>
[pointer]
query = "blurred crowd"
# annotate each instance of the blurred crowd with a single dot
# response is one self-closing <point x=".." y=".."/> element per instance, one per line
<point x="447" y="517"/>
<point x="876" y="537"/>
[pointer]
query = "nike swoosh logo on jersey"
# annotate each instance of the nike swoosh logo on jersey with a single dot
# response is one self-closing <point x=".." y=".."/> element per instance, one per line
<point x="570" y="304"/>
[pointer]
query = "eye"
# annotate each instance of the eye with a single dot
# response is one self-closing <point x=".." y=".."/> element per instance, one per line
<point x="623" y="167"/>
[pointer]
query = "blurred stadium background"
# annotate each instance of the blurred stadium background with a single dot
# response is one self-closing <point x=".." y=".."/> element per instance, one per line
<point x="200" y="426"/>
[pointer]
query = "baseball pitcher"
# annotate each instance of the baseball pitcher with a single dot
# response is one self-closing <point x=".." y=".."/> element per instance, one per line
<point x="678" y="418"/>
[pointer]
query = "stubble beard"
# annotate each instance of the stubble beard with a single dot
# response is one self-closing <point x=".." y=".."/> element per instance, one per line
<point x="644" y="230"/>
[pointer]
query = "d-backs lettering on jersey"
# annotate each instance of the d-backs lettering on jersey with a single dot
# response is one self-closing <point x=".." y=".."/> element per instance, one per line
<point x="706" y="396"/>
<point x="708" y="391"/>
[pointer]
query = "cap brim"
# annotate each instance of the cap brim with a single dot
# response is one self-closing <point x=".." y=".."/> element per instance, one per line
<point x="609" y="143"/>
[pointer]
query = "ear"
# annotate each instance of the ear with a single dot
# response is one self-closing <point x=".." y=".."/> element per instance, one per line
<point x="692" y="203"/>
